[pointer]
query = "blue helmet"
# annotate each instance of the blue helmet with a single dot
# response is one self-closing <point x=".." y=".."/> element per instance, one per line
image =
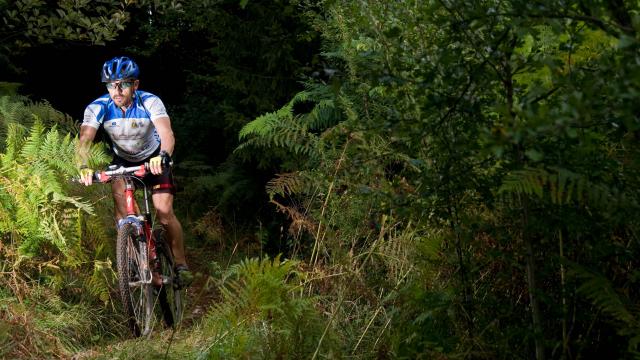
<point x="119" y="68"/>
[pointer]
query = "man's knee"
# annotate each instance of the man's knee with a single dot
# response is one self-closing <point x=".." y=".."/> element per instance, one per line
<point x="166" y="216"/>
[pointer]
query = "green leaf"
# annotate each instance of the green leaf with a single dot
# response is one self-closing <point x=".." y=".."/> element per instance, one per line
<point x="534" y="155"/>
<point x="626" y="41"/>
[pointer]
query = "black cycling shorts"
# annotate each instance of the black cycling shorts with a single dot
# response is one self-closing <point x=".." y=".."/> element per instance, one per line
<point x="163" y="183"/>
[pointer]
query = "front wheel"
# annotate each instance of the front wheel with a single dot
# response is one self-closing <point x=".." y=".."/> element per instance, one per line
<point x="170" y="298"/>
<point x="134" y="279"/>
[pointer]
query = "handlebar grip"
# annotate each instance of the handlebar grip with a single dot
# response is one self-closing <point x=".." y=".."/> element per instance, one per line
<point x="167" y="161"/>
<point x="96" y="177"/>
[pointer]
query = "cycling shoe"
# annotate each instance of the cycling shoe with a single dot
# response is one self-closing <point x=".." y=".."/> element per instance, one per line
<point x="184" y="277"/>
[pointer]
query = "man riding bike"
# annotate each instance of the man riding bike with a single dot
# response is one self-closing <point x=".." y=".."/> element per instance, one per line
<point x="140" y="131"/>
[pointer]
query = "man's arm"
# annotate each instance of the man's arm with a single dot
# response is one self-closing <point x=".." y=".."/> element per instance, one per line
<point x="167" y="140"/>
<point x="87" y="134"/>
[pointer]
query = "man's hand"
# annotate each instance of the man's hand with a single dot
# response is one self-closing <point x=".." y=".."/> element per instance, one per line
<point x="157" y="163"/>
<point x="86" y="175"/>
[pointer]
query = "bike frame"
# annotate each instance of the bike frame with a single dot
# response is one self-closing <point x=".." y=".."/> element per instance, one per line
<point x="143" y="221"/>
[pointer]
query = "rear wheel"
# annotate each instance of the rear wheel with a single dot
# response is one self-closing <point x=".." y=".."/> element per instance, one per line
<point x="170" y="298"/>
<point x="134" y="280"/>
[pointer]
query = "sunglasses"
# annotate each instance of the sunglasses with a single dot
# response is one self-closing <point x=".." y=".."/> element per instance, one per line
<point x="122" y="85"/>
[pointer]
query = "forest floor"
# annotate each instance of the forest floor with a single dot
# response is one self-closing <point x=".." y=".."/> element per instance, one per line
<point x="199" y="297"/>
<point x="203" y="292"/>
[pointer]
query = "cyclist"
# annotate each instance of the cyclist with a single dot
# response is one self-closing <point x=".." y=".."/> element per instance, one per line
<point x="140" y="131"/>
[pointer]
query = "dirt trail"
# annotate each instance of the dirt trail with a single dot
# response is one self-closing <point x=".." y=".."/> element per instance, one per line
<point x="198" y="299"/>
<point x="202" y="293"/>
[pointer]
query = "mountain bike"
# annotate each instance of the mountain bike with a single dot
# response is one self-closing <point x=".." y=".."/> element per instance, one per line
<point x="146" y="268"/>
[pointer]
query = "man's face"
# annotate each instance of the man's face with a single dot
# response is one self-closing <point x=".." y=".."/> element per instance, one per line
<point x="121" y="91"/>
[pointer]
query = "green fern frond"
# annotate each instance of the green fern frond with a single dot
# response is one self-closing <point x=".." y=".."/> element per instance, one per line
<point x="600" y="291"/>
<point x="286" y="133"/>
<point x="98" y="156"/>
<point x="33" y="176"/>
<point x="14" y="141"/>
<point x="21" y="110"/>
<point x="9" y="106"/>
<point x="528" y="181"/>
<point x="561" y="186"/>
<point x="102" y="280"/>
<point x="251" y="268"/>
<point x="60" y="198"/>
<point x="31" y="147"/>
<point x="323" y="115"/>
<point x="261" y="126"/>
<point x="284" y="129"/>
<point x="262" y="305"/>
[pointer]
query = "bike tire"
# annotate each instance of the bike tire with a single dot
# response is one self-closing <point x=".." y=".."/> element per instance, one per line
<point x="170" y="296"/>
<point x="133" y="273"/>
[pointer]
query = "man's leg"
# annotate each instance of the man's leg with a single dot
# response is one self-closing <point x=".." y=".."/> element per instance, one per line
<point x="163" y="203"/>
<point x="119" y="203"/>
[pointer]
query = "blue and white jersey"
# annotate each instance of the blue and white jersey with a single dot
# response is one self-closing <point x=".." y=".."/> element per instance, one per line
<point x="132" y="132"/>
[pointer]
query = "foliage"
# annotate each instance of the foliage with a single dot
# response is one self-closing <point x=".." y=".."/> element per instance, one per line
<point x="45" y="326"/>
<point x="501" y="126"/>
<point x="264" y="312"/>
<point x="34" y="22"/>
<point x="293" y="133"/>
<point x="21" y="110"/>
<point x="35" y="208"/>
<point x="233" y="63"/>
<point x="619" y="307"/>
<point x="31" y="24"/>
<point x="47" y="243"/>
<point x="460" y="179"/>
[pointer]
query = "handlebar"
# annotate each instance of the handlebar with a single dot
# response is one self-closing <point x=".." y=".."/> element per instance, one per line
<point x="105" y="175"/>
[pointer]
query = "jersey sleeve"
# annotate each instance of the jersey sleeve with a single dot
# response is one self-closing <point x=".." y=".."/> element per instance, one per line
<point x="93" y="115"/>
<point x="155" y="107"/>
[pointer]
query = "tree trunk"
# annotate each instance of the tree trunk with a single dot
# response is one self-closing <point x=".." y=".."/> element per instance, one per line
<point x="531" y="285"/>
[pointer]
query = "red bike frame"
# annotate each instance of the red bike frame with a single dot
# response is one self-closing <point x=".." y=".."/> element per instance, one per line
<point x="133" y="212"/>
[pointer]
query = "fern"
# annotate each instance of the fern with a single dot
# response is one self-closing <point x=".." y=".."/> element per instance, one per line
<point x="325" y="113"/>
<point x="14" y="141"/>
<point x="273" y="130"/>
<point x="288" y="130"/>
<point x="560" y="187"/>
<point x="284" y="184"/>
<point x="38" y="209"/>
<point x="33" y="178"/>
<point x="262" y="312"/>
<point x="102" y="280"/>
<point x="19" y="110"/>
<point x="601" y="292"/>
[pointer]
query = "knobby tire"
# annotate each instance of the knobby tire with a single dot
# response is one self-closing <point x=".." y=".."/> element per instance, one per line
<point x="170" y="298"/>
<point x="133" y="267"/>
